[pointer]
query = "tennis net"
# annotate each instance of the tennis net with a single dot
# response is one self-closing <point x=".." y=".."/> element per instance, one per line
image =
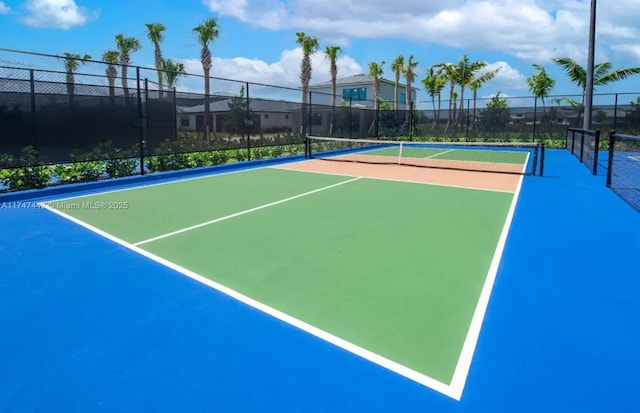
<point x="523" y="158"/>
<point x="584" y="145"/>
<point x="623" y="173"/>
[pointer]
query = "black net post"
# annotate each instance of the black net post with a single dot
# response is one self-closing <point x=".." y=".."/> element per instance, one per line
<point x="468" y="116"/>
<point x="350" y="120"/>
<point x="581" y="145"/>
<point x="411" y="120"/>
<point x="596" y="150"/>
<point x="534" y="166"/>
<point x="535" y="115"/>
<point x="612" y="140"/>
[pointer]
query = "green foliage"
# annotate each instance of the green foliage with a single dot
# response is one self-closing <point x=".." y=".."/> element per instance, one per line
<point x="29" y="177"/>
<point x="234" y="120"/>
<point x="78" y="172"/>
<point x="240" y="155"/>
<point x="633" y="116"/>
<point x="496" y="116"/>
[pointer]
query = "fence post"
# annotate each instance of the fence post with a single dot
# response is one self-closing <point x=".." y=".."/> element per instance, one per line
<point x="611" y="152"/>
<point x="350" y="120"/>
<point x="411" y="120"/>
<point x="535" y="116"/>
<point x="615" y="113"/>
<point x="141" y="119"/>
<point x="468" y="114"/>
<point x="595" y="152"/>
<point x="248" y="122"/>
<point x="175" y="114"/>
<point x="310" y="115"/>
<point x="34" y="115"/>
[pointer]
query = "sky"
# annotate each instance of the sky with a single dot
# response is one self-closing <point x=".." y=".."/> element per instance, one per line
<point x="257" y="37"/>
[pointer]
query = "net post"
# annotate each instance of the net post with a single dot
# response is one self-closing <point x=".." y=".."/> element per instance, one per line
<point x="542" y="150"/>
<point x="582" y="144"/>
<point x="534" y="166"/>
<point x="307" y="147"/>
<point x="611" y="152"/>
<point x="400" y="154"/>
<point x="595" y="152"/>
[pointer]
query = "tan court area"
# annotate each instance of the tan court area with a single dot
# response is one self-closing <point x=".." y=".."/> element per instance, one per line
<point x="466" y="179"/>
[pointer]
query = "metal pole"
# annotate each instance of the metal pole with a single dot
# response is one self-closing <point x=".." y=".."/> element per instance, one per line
<point x="248" y="123"/>
<point x="350" y="121"/>
<point x="468" y="114"/>
<point x="535" y="116"/>
<point x="615" y="113"/>
<point x="588" y="102"/>
<point x="141" y="121"/>
<point x="34" y="116"/>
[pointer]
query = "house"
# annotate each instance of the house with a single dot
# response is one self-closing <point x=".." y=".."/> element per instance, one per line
<point x="358" y="89"/>
<point x="266" y="115"/>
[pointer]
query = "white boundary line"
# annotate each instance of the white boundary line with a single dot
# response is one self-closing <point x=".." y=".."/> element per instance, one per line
<point x="438" y="154"/>
<point x="328" y="337"/>
<point x="247" y="211"/>
<point x="461" y="372"/>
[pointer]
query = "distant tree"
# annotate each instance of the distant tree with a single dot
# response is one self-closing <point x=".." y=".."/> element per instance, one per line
<point x="206" y="32"/>
<point x="434" y="82"/>
<point x="541" y="85"/>
<point x="477" y="82"/>
<point x="497" y="115"/>
<point x="154" y="33"/>
<point x="310" y="45"/>
<point x="110" y="57"/>
<point x="234" y="121"/>
<point x="398" y="69"/>
<point x="375" y="72"/>
<point x="332" y="52"/>
<point x="126" y="46"/>
<point x="410" y="76"/>
<point x="449" y="73"/>
<point x="72" y="62"/>
<point x="633" y="116"/>
<point x="171" y="72"/>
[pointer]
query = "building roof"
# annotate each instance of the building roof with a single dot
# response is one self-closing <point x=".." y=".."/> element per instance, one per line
<point x="359" y="79"/>
<point x="256" y="105"/>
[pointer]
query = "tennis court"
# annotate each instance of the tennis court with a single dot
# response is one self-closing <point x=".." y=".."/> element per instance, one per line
<point x="366" y="262"/>
<point x="367" y="249"/>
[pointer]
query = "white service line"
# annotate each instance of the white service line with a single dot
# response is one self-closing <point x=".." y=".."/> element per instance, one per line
<point x="438" y="154"/>
<point x="237" y="214"/>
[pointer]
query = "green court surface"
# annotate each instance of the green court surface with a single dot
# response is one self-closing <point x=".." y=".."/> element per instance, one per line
<point x="394" y="268"/>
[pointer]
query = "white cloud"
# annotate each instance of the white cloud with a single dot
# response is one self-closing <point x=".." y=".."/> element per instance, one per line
<point x="4" y="9"/>
<point x="59" y="14"/>
<point x="284" y="72"/>
<point x="533" y="30"/>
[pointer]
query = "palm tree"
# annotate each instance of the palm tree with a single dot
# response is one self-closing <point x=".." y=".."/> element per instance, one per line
<point x="466" y="70"/>
<point x="172" y="71"/>
<point x="125" y="46"/>
<point x="309" y="46"/>
<point x="477" y="82"/>
<point x="602" y="75"/>
<point x="71" y="63"/>
<point x="541" y="85"/>
<point x="449" y="72"/>
<point x="206" y="32"/>
<point x="110" y="57"/>
<point x="154" y="33"/>
<point x="375" y="72"/>
<point x="410" y="76"/>
<point x="332" y="52"/>
<point x="433" y="84"/>
<point x="398" y="68"/>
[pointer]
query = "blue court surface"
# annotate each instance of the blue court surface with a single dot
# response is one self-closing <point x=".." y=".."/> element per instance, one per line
<point x="88" y="325"/>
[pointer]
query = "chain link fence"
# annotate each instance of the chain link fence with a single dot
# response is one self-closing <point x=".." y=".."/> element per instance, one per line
<point x="71" y="109"/>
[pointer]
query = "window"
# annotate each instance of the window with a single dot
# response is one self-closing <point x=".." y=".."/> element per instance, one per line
<point x="184" y="122"/>
<point x="359" y="93"/>
<point x="403" y="97"/>
<point x="316" y="118"/>
<point x="286" y="116"/>
<point x="266" y="116"/>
